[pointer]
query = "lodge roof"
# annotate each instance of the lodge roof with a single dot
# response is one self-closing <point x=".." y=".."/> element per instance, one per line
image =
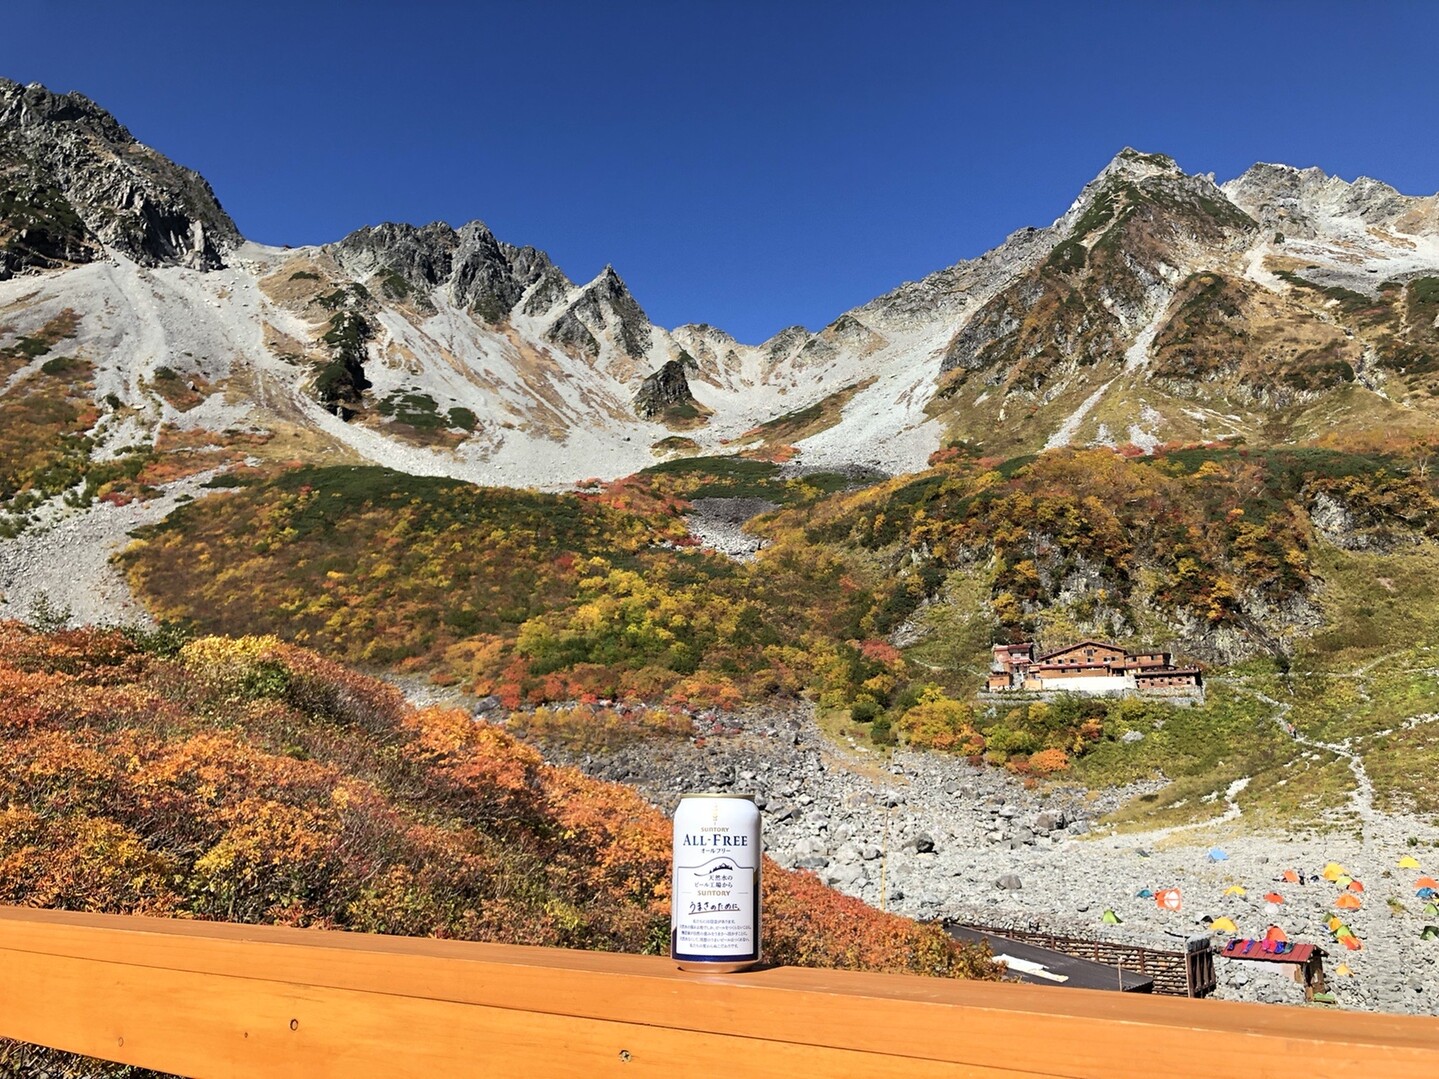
<point x="1080" y="644"/>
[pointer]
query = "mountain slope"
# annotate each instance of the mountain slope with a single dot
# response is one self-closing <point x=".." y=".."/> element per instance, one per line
<point x="1159" y="307"/>
<point x="73" y="182"/>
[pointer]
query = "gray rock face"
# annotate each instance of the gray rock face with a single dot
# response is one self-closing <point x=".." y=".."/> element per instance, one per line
<point x="477" y="271"/>
<point x="74" y="181"/>
<point x="607" y="302"/>
<point x="1292" y="201"/>
<point x="664" y="389"/>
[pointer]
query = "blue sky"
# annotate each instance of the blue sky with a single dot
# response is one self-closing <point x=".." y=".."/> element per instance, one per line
<point x="751" y="165"/>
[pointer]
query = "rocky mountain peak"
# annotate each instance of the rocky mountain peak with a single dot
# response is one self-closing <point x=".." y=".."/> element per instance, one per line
<point x="1299" y="201"/>
<point x="606" y="304"/>
<point x="74" y="181"/>
<point x="479" y="272"/>
<point x="1132" y="164"/>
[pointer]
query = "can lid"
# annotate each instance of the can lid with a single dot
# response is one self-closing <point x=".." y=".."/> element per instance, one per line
<point x="742" y="797"/>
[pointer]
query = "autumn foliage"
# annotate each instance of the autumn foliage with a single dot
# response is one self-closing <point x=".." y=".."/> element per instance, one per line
<point x="247" y="779"/>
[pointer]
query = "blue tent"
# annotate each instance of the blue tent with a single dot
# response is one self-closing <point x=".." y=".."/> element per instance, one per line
<point x="1217" y="854"/>
<point x="1144" y="893"/>
<point x="1426" y="893"/>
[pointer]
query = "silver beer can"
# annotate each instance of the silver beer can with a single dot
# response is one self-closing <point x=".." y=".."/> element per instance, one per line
<point x="715" y="883"/>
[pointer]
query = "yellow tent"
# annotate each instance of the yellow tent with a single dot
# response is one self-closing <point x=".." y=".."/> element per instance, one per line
<point x="1408" y="862"/>
<point x="1343" y="969"/>
<point x="1223" y="925"/>
<point x="1235" y="889"/>
<point x="1333" y="871"/>
<point x="1334" y="922"/>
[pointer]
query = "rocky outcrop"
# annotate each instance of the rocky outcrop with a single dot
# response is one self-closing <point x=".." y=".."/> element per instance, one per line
<point x="1301" y="203"/>
<point x="74" y="181"/>
<point x="606" y="303"/>
<point x="478" y="272"/>
<point x="665" y="389"/>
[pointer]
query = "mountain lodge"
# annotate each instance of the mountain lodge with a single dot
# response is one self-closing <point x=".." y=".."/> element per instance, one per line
<point x="1090" y="666"/>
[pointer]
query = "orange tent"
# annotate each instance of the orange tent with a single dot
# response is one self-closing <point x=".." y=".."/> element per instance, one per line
<point x="1427" y="882"/>
<point x="1352" y="943"/>
<point x="1168" y="899"/>
<point x="1356" y="886"/>
<point x="1273" y="897"/>
<point x="1275" y="934"/>
<point x="1291" y="876"/>
<point x="1348" y="902"/>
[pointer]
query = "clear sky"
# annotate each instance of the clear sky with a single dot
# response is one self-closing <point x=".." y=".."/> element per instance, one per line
<point x="751" y="165"/>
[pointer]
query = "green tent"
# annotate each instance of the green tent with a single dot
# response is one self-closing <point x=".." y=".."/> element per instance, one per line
<point x="1343" y="931"/>
<point x="1431" y="909"/>
<point x="1110" y="918"/>
<point x="1430" y="932"/>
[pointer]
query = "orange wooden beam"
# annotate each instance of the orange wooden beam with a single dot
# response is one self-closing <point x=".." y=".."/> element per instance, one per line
<point x="216" y="999"/>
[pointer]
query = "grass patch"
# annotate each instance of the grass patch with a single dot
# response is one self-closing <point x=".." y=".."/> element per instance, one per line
<point x="804" y="422"/>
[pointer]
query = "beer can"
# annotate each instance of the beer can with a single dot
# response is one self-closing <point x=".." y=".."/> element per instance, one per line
<point x="715" y="879"/>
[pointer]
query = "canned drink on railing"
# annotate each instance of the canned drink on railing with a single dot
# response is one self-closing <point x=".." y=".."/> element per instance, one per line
<point x="715" y="883"/>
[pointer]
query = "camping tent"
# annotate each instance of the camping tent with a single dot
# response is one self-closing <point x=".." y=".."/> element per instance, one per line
<point x="1110" y="918"/>
<point x="1235" y="889"/>
<point x="1408" y="862"/>
<point x="1144" y="893"/>
<point x="1275" y="935"/>
<point x="1273" y="897"/>
<point x="1431" y="909"/>
<point x="1333" y="871"/>
<point x="1426" y="893"/>
<point x="1223" y="925"/>
<point x="1348" y="901"/>
<point x="1343" y="970"/>
<point x="1217" y="854"/>
<point x="1168" y="899"/>
<point x="1426" y="882"/>
<point x="1429" y="932"/>
<point x="1356" y="886"/>
<point x="1344" y="880"/>
<point x="1291" y="876"/>
<point x="1335" y="923"/>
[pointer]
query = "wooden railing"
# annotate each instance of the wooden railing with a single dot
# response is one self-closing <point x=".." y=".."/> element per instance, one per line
<point x="210" y="999"/>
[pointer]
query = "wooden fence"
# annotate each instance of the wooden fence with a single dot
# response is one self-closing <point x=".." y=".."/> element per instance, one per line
<point x="208" y="999"/>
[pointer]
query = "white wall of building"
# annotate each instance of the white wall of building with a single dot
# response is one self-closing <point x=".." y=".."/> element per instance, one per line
<point x="1092" y="684"/>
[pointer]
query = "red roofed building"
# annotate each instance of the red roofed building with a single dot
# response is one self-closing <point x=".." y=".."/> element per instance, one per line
<point x="1091" y="666"/>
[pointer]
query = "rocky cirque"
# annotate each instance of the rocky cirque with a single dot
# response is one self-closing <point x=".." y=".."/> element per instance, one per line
<point x="931" y="836"/>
